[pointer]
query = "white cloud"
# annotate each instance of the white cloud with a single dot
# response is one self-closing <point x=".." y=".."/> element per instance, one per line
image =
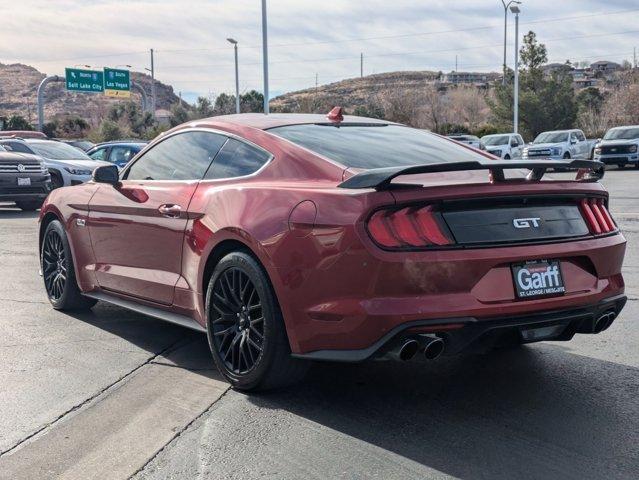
<point x="193" y="55"/>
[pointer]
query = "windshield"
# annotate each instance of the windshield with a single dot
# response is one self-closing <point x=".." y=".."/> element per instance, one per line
<point x="495" y="140"/>
<point x="58" y="151"/>
<point x="376" y="145"/>
<point x="622" y="134"/>
<point x="551" y="137"/>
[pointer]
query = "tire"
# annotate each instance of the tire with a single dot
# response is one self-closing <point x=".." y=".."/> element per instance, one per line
<point x="29" y="205"/>
<point x="58" y="273"/>
<point x="245" y="327"/>
<point x="506" y="157"/>
<point x="56" y="181"/>
<point x="566" y="156"/>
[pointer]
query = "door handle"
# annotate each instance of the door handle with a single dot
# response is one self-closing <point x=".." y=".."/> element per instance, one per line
<point x="170" y="210"/>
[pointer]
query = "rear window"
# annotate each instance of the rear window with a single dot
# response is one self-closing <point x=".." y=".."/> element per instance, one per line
<point x="376" y="146"/>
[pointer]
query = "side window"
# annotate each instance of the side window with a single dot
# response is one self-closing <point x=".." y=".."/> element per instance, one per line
<point x="521" y="140"/>
<point x="573" y="137"/>
<point x="120" y="155"/>
<point x="17" y="147"/>
<point x="580" y="136"/>
<point x="237" y="159"/>
<point x="98" y="154"/>
<point x="185" y="156"/>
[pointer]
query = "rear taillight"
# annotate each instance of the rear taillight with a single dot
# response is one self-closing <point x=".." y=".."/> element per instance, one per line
<point x="408" y="227"/>
<point x="597" y="216"/>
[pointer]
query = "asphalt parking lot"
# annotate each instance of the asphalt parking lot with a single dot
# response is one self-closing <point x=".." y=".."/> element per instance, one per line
<point x="113" y="394"/>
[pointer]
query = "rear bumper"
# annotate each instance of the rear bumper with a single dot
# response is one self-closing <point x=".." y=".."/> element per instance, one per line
<point x="465" y="333"/>
<point x="353" y="299"/>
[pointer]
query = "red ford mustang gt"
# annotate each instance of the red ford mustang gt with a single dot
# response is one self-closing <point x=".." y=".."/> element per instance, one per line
<point x="294" y="237"/>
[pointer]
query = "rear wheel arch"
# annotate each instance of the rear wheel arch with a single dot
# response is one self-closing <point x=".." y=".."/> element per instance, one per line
<point x="222" y="249"/>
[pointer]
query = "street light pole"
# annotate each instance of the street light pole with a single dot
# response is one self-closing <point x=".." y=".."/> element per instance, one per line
<point x="506" y="5"/>
<point x="153" y="105"/>
<point x="237" y="78"/>
<point x="265" y="56"/>
<point x="515" y="10"/>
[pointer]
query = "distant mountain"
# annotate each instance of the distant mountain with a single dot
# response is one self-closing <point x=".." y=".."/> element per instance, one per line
<point x="352" y="92"/>
<point x="19" y="85"/>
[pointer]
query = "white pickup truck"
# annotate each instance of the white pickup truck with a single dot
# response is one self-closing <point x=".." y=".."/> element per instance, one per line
<point x="504" y="145"/>
<point x="560" y="144"/>
<point x="619" y="147"/>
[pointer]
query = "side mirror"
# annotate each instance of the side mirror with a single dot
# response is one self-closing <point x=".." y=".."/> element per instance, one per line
<point x="573" y="141"/>
<point x="514" y="143"/>
<point x="106" y="174"/>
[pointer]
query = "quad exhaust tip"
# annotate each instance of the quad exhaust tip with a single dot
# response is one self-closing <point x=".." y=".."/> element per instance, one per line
<point x="604" y="321"/>
<point x="433" y="347"/>
<point x="408" y="349"/>
<point x="430" y="345"/>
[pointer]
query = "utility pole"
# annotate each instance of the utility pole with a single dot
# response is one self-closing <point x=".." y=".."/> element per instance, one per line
<point x="455" y="63"/>
<point x="265" y="56"/>
<point x="316" y="82"/>
<point x="634" y="57"/>
<point x="515" y="10"/>
<point x="153" y="104"/>
<point x="361" y="64"/>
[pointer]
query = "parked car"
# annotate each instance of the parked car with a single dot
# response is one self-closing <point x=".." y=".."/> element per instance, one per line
<point x="619" y="147"/>
<point x="24" y="179"/>
<point x="471" y="140"/>
<point x="84" y="145"/>
<point x="504" y="145"/>
<point x="289" y="239"/>
<point x="560" y="144"/>
<point x="67" y="165"/>
<point x="119" y="152"/>
<point x="23" y="134"/>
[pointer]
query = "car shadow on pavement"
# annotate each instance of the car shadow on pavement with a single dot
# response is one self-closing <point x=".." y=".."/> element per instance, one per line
<point x="532" y="412"/>
<point x="174" y="345"/>
<point x="13" y="213"/>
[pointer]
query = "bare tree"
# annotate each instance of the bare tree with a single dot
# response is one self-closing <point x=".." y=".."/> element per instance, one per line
<point x="468" y="107"/>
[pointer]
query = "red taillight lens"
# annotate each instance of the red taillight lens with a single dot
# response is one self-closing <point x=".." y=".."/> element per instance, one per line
<point x="597" y="216"/>
<point x="408" y="227"/>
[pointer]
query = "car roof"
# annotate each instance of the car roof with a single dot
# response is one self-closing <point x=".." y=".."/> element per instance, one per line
<point x="272" y="120"/>
<point x="121" y="142"/>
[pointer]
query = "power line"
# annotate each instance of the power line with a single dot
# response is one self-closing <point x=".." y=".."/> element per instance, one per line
<point x="347" y="40"/>
<point x="417" y="34"/>
<point x="398" y="54"/>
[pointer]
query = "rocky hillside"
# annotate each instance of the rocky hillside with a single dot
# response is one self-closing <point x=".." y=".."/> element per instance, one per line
<point x="19" y="84"/>
<point x="352" y="92"/>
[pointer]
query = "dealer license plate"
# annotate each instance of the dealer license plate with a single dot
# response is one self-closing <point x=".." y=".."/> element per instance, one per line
<point x="538" y="278"/>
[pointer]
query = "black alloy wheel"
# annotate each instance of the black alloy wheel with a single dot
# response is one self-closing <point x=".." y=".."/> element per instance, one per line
<point x="237" y="321"/>
<point x="56" y="262"/>
<point x="54" y="265"/>
<point x="245" y="328"/>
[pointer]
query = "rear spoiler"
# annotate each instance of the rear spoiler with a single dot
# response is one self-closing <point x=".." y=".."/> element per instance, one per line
<point x="381" y="178"/>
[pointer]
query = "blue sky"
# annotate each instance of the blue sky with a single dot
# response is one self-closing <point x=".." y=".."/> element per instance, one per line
<point x="306" y="37"/>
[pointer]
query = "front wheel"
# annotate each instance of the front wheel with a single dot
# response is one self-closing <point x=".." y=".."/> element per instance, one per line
<point x="245" y="328"/>
<point x="58" y="273"/>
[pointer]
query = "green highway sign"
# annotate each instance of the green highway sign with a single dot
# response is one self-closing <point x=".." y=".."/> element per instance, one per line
<point x="117" y="83"/>
<point x="79" y="80"/>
